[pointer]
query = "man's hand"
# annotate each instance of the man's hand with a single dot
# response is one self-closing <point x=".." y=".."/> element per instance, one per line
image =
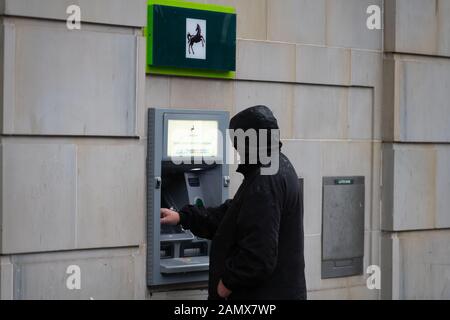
<point x="169" y="217"/>
<point x="223" y="291"/>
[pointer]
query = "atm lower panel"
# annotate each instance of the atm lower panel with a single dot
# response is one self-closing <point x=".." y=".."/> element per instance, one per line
<point x="180" y="265"/>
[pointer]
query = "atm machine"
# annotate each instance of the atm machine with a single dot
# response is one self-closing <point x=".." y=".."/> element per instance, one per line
<point x="185" y="165"/>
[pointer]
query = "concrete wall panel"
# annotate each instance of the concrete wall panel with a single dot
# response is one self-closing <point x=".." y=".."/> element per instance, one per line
<point x="424" y="96"/>
<point x="418" y="26"/>
<point x="322" y="112"/>
<point x="323" y="65"/>
<point x="418" y="264"/>
<point x="296" y="21"/>
<point x="115" y="12"/>
<point x="68" y="194"/>
<point x="69" y="82"/>
<point x="416" y="99"/>
<point x="192" y="93"/>
<point x="111" y="202"/>
<point x="105" y="274"/>
<point x="417" y="176"/>
<point x="39" y="197"/>
<point x="346" y="22"/>
<point x="270" y="61"/>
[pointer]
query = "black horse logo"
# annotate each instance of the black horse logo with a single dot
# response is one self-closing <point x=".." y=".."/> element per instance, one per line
<point x="195" y="39"/>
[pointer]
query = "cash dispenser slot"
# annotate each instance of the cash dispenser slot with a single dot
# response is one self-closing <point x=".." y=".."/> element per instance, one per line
<point x="186" y="255"/>
<point x="194" y="249"/>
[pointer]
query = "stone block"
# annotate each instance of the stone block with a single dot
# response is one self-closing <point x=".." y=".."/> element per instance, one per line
<point x="442" y="186"/>
<point x="38" y="197"/>
<point x="70" y="194"/>
<point x="297" y="21"/>
<point x="346" y="25"/>
<point x="270" y="61"/>
<point x="104" y="274"/>
<point x="418" y="26"/>
<point x="61" y="82"/>
<point x="423" y="108"/>
<point x="192" y="93"/>
<point x="366" y="68"/>
<point x="323" y="112"/>
<point x="251" y="17"/>
<point x="320" y="112"/>
<point x="360" y="121"/>
<point x="415" y="187"/>
<point x="110" y="195"/>
<point x="418" y="264"/>
<point x="323" y="65"/>
<point x="113" y="12"/>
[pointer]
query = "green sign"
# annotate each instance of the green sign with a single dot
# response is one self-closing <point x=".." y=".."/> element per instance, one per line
<point x="191" y="39"/>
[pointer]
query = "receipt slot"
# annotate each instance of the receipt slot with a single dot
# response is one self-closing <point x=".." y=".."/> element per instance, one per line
<point x="342" y="226"/>
<point x="185" y="165"/>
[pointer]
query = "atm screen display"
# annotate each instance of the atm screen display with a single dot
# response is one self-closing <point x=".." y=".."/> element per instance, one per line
<point x="192" y="138"/>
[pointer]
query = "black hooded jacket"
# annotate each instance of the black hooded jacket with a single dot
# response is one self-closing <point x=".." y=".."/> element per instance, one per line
<point x="257" y="237"/>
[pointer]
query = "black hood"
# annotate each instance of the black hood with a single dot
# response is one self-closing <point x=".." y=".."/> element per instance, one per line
<point x="257" y="117"/>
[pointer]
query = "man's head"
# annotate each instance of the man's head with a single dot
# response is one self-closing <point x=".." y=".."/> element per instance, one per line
<point x="257" y="117"/>
<point x="255" y="135"/>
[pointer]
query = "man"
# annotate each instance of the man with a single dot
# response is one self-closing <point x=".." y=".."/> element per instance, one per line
<point x="257" y="238"/>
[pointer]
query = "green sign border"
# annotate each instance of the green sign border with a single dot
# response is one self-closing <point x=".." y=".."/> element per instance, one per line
<point x="148" y="34"/>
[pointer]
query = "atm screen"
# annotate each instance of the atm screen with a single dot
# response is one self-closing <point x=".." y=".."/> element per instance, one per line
<point x="192" y="138"/>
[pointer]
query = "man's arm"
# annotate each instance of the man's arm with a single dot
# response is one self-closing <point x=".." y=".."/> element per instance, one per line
<point x="203" y="222"/>
<point x="257" y="248"/>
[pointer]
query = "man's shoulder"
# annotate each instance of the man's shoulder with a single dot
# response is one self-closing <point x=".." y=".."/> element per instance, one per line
<point x="285" y="172"/>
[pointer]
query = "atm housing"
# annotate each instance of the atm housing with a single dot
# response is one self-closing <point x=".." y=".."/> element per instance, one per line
<point x="174" y="255"/>
<point x="342" y="226"/>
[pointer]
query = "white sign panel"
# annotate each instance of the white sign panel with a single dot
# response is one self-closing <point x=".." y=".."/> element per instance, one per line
<point x="196" y="39"/>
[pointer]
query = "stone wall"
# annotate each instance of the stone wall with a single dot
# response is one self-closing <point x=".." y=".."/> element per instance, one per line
<point x="416" y="150"/>
<point x="73" y="136"/>
<point x="72" y="161"/>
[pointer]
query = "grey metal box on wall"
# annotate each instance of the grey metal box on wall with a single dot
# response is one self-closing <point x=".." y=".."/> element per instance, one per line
<point x="342" y="226"/>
